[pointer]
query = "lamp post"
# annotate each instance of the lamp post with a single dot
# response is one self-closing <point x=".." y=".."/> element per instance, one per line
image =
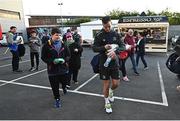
<point x="60" y="4"/>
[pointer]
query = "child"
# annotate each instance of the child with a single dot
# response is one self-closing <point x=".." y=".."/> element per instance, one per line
<point x="56" y="55"/>
<point x="75" y="60"/>
<point x="34" y="44"/>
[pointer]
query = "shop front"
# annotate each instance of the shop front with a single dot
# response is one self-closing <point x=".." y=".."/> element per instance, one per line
<point x="154" y="27"/>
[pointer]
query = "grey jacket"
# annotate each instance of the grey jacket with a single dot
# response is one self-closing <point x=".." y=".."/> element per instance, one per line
<point x="34" y="44"/>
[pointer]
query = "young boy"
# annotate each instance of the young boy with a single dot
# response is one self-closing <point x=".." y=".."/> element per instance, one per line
<point x="56" y="55"/>
<point x="34" y="44"/>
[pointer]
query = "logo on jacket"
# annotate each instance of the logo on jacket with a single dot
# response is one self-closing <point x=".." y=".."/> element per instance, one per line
<point x="114" y="39"/>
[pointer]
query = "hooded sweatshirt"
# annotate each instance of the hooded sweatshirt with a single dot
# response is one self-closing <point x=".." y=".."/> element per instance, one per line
<point x="34" y="44"/>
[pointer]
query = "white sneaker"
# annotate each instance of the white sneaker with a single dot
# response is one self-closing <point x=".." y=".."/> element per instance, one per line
<point x="111" y="99"/>
<point x="126" y="79"/>
<point x="32" y="69"/>
<point x="178" y="88"/>
<point x="146" y="68"/>
<point x="111" y="96"/>
<point x="108" y="108"/>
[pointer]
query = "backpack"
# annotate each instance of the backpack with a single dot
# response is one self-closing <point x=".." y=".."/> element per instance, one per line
<point x="172" y="64"/>
<point x="21" y="50"/>
<point x="95" y="63"/>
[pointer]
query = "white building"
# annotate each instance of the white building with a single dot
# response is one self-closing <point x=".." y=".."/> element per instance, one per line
<point x="89" y="29"/>
<point x="11" y="14"/>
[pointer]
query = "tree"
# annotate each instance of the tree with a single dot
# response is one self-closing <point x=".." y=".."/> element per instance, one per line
<point x="151" y="13"/>
<point x="173" y="17"/>
<point x="117" y="13"/>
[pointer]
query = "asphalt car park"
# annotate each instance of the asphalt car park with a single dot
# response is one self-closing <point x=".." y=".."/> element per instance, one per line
<point x="28" y="95"/>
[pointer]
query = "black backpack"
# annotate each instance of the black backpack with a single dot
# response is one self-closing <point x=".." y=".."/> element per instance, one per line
<point x="21" y="50"/>
<point x="173" y="64"/>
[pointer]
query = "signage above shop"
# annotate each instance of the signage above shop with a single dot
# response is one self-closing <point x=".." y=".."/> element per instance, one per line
<point x="143" y="19"/>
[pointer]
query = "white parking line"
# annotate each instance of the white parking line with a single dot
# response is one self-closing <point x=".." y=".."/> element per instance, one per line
<point x="164" y="97"/>
<point x="122" y="98"/>
<point x="23" y="77"/>
<point x="87" y="93"/>
<point x="86" y="82"/>
<point x="11" y="64"/>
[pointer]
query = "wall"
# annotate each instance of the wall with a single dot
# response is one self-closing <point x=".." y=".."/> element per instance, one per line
<point x="17" y="6"/>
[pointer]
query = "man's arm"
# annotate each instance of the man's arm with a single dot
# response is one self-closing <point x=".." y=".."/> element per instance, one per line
<point x="44" y="55"/>
<point x="97" y="47"/>
<point x="121" y="44"/>
<point x="9" y="38"/>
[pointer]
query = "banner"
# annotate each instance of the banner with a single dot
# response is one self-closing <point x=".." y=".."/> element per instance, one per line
<point x="143" y="19"/>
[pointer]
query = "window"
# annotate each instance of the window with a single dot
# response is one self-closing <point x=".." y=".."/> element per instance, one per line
<point x="9" y="14"/>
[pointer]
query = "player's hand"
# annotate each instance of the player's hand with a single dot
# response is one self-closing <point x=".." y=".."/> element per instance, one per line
<point x="107" y="47"/>
<point x="112" y="55"/>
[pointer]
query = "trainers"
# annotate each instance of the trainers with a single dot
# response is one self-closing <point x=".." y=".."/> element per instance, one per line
<point x="18" y="71"/>
<point x="65" y="91"/>
<point x="126" y="79"/>
<point x="37" y="69"/>
<point x="108" y="108"/>
<point x="146" y="68"/>
<point x="178" y="88"/>
<point x="111" y="97"/>
<point x="57" y="103"/>
<point x="68" y="86"/>
<point x="76" y="82"/>
<point x="136" y="73"/>
<point x="32" y="69"/>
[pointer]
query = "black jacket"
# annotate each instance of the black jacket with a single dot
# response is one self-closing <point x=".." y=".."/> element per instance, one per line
<point x="49" y="54"/>
<point x="101" y="39"/>
<point x="140" y="48"/>
<point x="75" y="60"/>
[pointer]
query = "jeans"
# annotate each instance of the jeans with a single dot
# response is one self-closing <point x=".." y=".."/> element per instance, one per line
<point x="133" y="62"/>
<point x="36" y="54"/>
<point x="142" y="58"/>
